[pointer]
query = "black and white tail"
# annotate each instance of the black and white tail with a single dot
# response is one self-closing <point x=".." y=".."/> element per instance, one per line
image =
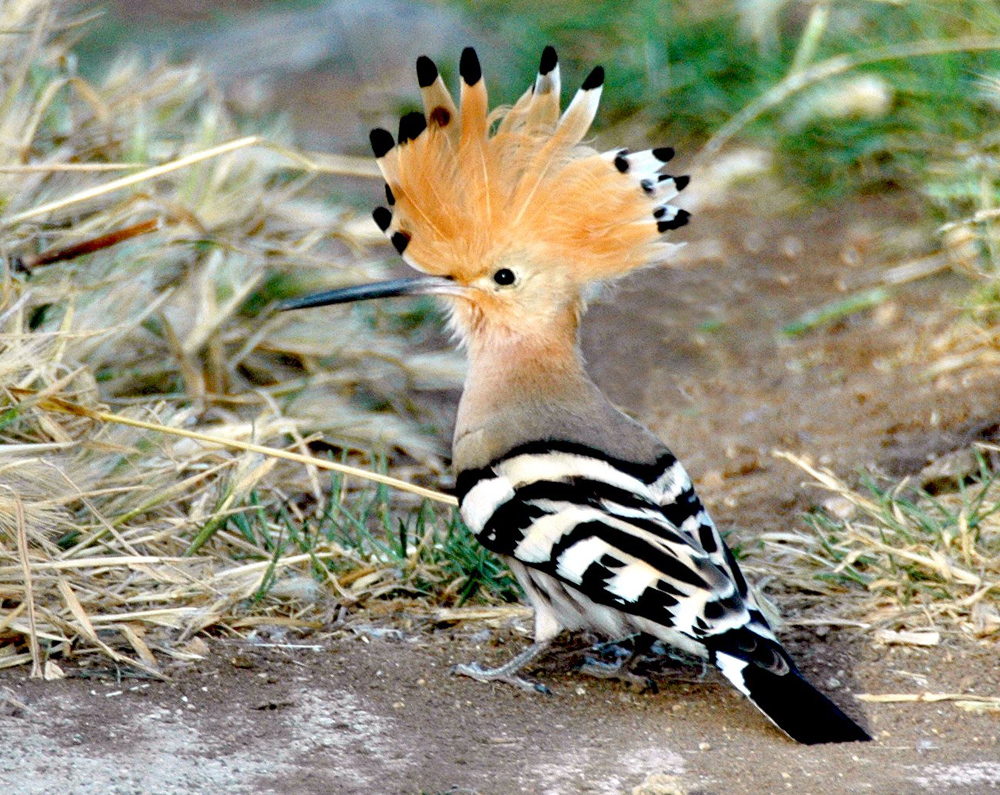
<point x="764" y="673"/>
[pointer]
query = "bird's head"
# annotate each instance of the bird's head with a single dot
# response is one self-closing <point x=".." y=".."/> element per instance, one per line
<point x="508" y="214"/>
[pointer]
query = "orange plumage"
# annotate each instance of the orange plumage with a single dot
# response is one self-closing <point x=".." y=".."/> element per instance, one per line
<point x="474" y="190"/>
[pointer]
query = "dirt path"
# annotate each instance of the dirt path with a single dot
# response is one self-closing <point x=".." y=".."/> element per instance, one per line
<point x="383" y="716"/>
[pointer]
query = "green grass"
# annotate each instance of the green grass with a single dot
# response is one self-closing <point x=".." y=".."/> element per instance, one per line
<point x="909" y="558"/>
<point x="684" y="69"/>
<point x="835" y="311"/>
<point x="427" y="552"/>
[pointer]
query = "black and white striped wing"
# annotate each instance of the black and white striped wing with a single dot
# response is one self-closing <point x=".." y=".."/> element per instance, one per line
<point x="674" y="492"/>
<point x="595" y="524"/>
<point x="618" y="546"/>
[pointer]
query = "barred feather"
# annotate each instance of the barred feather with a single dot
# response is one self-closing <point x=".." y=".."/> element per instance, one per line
<point x="584" y="518"/>
<point x="621" y="547"/>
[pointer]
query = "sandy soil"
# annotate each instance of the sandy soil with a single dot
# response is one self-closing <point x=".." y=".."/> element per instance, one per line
<point x="368" y="715"/>
<point x="696" y="353"/>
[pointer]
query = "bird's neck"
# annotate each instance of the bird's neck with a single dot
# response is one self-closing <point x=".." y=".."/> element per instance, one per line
<point x="531" y="385"/>
<point x="510" y="368"/>
<point x="525" y="387"/>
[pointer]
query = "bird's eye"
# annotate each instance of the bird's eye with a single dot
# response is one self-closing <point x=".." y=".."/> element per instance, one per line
<point x="504" y="276"/>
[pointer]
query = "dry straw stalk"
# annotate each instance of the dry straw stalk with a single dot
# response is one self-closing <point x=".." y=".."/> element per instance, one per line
<point x="124" y="533"/>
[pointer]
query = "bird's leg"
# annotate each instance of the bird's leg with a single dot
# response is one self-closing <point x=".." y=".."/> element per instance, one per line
<point x="547" y="627"/>
<point x="661" y="649"/>
<point x="625" y="654"/>
<point x="506" y="672"/>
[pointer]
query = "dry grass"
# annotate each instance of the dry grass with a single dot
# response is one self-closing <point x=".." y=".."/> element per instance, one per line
<point x="901" y="559"/>
<point x="156" y="236"/>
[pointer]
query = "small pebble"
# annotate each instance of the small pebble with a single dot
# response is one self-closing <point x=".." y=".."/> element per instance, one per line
<point x="711" y="480"/>
<point x="754" y="242"/>
<point x="840" y="508"/>
<point x="792" y="247"/>
<point x="660" y="784"/>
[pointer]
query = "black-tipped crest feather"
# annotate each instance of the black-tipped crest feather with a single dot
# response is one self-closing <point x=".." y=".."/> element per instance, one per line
<point x="427" y="71"/>
<point x="382" y="141"/>
<point x="411" y="125"/>
<point x="469" y="68"/>
<point x="680" y="219"/>
<point x="594" y="80"/>
<point x="383" y="218"/>
<point x="400" y="240"/>
<point x="549" y="60"/>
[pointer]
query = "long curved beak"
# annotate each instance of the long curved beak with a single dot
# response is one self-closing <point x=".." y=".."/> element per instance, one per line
<point x="420" y="285"/>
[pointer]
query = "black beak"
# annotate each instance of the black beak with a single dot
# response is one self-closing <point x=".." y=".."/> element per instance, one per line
<point x="421" y="285"/>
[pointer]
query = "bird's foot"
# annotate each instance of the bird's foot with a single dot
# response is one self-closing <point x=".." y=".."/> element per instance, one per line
<point x="599" y="669"/>
<point x="502" y="674"/>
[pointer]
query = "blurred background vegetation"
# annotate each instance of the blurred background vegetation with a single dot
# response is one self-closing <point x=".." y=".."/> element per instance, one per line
<point x="833" y="101"/>
<point x="918" y="87"/>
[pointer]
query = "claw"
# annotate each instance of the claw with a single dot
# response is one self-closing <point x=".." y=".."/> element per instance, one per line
<point x="617" y="670"/>
<point x="505" y="673"/>
<point x="475" y="671"/>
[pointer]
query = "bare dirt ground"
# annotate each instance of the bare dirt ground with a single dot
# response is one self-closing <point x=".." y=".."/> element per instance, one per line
<point x="385" y="717"/>
<point x="696" y="353"/>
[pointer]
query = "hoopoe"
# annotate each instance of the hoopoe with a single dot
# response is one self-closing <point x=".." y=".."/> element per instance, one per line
<point x="512" y="217"/>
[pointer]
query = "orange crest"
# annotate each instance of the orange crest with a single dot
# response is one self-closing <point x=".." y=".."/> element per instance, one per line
<point x="470" y="190"/>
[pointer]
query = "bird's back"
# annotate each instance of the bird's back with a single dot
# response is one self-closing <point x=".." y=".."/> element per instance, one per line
<point x="606" y="510"/>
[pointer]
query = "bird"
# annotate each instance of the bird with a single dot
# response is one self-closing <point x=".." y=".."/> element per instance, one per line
<point x="512" y="218"/>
